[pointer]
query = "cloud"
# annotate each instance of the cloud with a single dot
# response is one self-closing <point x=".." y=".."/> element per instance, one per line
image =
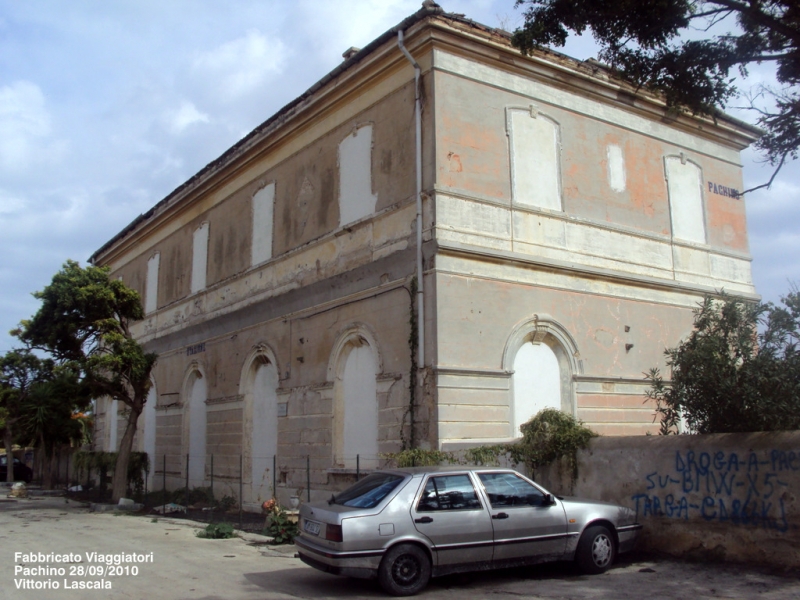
<point x="24" y="121"/>
<point x="187" y="114"/>
<point x="241" y="65"/>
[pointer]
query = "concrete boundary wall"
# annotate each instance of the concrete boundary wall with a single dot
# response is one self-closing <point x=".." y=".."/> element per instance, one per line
<point x="721" y="496"/>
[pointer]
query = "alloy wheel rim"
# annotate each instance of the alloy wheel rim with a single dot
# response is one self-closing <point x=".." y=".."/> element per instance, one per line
<point x="601" y="550"/>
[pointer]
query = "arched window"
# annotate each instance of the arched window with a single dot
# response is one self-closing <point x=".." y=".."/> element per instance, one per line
<point x="536" y="382"/>
<point x="356" y="365"/>
<point x="542" y="357"/>
<point x="196" y="421"/>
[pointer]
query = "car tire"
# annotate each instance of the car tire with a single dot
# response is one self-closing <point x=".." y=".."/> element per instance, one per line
<point x="405" y="570"/>
<point x="596" y="550"/>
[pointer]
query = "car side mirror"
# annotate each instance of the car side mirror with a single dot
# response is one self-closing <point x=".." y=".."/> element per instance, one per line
<point x="548" y="500"/>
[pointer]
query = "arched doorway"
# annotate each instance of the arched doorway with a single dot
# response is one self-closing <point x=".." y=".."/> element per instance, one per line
<point x="260" y="383"/>
<point x="356" y="364"/>
<point x="196" y="421"/>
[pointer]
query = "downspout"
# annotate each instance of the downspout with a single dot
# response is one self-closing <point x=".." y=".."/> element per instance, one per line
<point x="418" y="149"/>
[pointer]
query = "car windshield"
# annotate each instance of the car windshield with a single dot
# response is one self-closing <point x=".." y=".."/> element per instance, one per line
<point x="368" y="492"/>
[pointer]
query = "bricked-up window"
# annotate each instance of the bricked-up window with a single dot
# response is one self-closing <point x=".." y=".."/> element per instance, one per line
<point x="151" y="284"/>
<point x="263" y="211"/>
<point x="536" y="383"/>
<point x="356" y="199"/>
<point x="197" y="430"/>
<point x="535" y="149"/>
<point x="616" y="168"/>
<point x="360" y="431"/>
<point x="264" y="436"/>
<point x="199" y="258"/>
<point x="685" y="188"/>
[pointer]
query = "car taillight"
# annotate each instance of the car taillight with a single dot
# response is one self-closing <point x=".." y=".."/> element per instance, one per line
<point x="333" y="533"/>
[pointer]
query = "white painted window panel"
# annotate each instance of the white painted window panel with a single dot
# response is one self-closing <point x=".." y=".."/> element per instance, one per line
<point x="149" y="433"/>
<point x="199" y="258"/>
<point x="535" y="168"/>
<point x="684" y="183"/>
<point x="151" y="284"/>
<point x="360" y="406"/>
<point x="536" y="382"/>
<point x="616" y="168"/>
<point x="356" y="199"/>
<point x="263" y="217"/>
<point x="197" y="433"/>
<point x="113" y="425"/>
<point x="264" y="443"/>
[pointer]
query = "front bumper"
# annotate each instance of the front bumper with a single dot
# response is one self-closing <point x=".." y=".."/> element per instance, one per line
<point x="627" y="535"/>
<point x="362" y="564"/>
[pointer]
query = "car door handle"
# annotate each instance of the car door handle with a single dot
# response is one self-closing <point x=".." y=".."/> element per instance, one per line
<point x="500" y="516"/>
<point x="423" y="520"/>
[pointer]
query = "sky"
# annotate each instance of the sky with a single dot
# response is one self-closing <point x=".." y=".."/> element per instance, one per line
<point x="106" y="107"/>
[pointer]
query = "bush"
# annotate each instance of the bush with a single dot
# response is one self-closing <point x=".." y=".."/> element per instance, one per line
<point x="279" y="527"/>
<point x="549" y="436"/>
<point x="217" y="531"/>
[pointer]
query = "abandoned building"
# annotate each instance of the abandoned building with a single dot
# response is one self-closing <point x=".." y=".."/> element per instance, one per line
<point x="438" y="239"/>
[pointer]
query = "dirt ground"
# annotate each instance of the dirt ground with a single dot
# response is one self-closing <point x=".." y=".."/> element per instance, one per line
<point x="185" y="566"/>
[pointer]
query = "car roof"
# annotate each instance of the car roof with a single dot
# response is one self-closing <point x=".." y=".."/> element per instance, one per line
<point x="417" y="471"/>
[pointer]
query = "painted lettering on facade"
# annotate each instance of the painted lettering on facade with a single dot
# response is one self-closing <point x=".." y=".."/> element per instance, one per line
<point x="722" y="190"/>
<point x="724" y="487"/>
<point x="196" y="349"/>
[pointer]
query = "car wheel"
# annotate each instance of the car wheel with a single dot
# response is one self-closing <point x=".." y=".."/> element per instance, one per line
<point x="596" y="550"/>
<point x="405" y="570"/>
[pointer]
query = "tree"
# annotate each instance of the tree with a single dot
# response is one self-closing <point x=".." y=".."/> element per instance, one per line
<point x="47" y="415"/>
<point x="646" y="41"/>
<point x="729" y="377"/>
<point x="20" y="372"/>
<point x="86" y="317"/>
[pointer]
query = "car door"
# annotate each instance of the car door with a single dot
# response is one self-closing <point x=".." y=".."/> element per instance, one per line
<point x="450" y="513"/>
<point x="527" y="528"/>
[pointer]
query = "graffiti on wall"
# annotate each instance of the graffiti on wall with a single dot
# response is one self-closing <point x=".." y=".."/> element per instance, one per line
<point x="724" y="487"/>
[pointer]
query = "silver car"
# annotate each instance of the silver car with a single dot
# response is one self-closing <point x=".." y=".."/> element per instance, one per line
<point x="404" y="526"/>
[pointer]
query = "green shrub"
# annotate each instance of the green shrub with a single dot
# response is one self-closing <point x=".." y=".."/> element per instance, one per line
<point x="549" y="436"/>
<point x="280" y="528"/>
<point x="217" y="531"/>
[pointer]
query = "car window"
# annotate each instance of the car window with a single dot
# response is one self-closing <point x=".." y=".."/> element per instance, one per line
<point x="448" y="492"/>
<point x="508" y="489"/>
<point x="369" y="492"/>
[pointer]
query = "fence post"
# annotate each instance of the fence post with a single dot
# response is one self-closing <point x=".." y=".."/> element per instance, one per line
<point x="274" y="475"/>
<point x="69" y="458"/>
<point x="164" y="480"/>
<point x="308" y="478"/>
<point x="58" y="469"/>
<point x="186" y="491"/>
<point x="241" y="474"/>
<point x="212" y="481"/>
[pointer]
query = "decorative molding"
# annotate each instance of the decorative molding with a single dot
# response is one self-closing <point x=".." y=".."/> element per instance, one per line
<point x="225" y="399"/>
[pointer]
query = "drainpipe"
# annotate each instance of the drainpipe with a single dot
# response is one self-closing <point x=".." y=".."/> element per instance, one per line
<point x="418" y="123"/>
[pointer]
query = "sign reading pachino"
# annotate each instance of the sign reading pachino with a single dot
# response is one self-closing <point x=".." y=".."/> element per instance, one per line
<point x="723" y="190"/>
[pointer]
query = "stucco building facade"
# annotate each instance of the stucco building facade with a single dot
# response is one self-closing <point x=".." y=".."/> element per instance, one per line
<point x="568" y="227"/>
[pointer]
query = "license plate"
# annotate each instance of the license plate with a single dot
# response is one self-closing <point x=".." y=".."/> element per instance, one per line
<point x="311" y="527"/>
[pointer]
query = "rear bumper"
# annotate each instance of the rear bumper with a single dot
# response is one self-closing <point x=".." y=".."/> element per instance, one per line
<point x="363" y="564"/>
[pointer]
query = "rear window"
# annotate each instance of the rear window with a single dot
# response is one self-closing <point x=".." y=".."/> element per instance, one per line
<point x="369" y="492"/>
